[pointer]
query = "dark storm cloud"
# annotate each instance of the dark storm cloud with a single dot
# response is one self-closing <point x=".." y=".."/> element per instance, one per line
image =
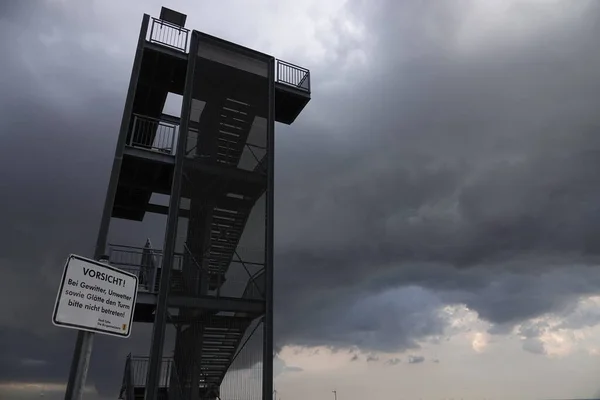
<point x="59" y="114"/>
<point x="49" y="351"/>
<point x="469" y="173"/>
<point x="31" y="357"/>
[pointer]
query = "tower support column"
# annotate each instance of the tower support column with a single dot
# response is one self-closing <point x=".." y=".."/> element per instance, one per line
<point x="159" y="327"/>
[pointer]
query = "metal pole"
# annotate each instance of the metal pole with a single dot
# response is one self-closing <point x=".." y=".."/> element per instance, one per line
<point x="82" y="366"/>
<point x="74" y="365"/>
<point x="267" y="377"/>
<point x="81" y="359"/>
<point x="334" y="394"/>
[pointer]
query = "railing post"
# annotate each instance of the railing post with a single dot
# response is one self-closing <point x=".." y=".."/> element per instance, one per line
<point x="155" y="265"/>
<point x="152" y="30"/>
<point x="173" y="140"/>
<point x="133" y="130"/>
<point x="292" y="75"/>
<point x="130" y="382"/>
<point x="166" y="35"/>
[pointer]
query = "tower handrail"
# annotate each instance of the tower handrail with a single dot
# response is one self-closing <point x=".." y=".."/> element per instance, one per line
<point x="130" y="258"/>
<point x="153" y="134"/>
<point x="292" y="75"/>
<point x="167" y="37"/>
<point x="252" y="283"/>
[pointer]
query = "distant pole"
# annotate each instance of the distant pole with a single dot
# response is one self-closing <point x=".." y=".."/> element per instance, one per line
<point x="334" y="394"/>
<point x="275" y="394"/>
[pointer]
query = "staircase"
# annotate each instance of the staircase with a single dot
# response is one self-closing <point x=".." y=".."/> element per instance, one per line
<point x="228" y="213"/>
<point x="226" y="207"/>
<point x="221" y="339"/>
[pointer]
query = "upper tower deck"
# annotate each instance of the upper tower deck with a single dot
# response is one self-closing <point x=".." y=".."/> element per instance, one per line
<point x="221" y="67"/>
<point x="166" y="52"/>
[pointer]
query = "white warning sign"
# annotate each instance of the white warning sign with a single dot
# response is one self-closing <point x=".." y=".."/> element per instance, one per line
<point x="95" y="297"/>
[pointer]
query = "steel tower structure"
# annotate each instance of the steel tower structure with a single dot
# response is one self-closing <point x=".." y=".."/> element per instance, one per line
<point x="212" y="282"/>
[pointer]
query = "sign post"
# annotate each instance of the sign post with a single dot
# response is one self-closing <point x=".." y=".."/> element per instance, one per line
<point x="93" y="297"/>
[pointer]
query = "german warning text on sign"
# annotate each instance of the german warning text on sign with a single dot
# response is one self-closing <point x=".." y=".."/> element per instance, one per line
<point x="95" y="297"/>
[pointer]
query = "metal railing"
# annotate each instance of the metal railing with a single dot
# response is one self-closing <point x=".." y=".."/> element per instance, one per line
<point x="176" y="37"/>
<point x="139" y="371"/>
<point x="153" y="134"/>
<point x="142" y="262"/>
<point x="292" y="75"/>
<point x="136" y="372"/>
<point x="168" y="34"/>
<point x="255" y="289"/>
<point x="240" y="277"/>
<point x="194" y="275"/>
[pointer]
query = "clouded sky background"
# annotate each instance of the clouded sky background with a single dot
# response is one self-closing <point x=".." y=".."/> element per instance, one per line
<point x="438" y="205"/>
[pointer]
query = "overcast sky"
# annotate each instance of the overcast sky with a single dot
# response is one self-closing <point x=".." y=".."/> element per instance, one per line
<point x="438" y="201"/>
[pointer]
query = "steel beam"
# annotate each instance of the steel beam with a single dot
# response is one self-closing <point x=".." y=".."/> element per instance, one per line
<point x="267" y="384"/>
<point x="125" y="121"/>
<point x="159" y="327"/>
<point x="112" y="185"/>
<point x="237" y="175"/>
<point x="154" y="156"/>
<point x="229" y="304"/>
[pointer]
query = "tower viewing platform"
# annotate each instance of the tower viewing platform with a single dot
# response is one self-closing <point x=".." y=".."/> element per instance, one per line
<point x="211" y="162"/>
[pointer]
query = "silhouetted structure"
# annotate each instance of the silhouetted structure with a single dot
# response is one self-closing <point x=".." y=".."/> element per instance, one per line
<point x="213" y="279"/>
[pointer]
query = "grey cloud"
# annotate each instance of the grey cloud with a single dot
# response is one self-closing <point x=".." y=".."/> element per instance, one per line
<point x="372" y="358"/>
<point x="48" y="350"/>
<point x="61" y="114"/>
<point x="415" y="359"/>
<point x="580" y="316"/>
<point x="511" y="297"/>
<point x="30" y="362"/>
<point x="280" y="367"/>
<point x="367" y="322"/>
<point x="469" y="175"/>
<point x="393" y="361"/>
<point x="534" y="345"/>
<point x="293" y="369"/>
<point x="35" y="358"/>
